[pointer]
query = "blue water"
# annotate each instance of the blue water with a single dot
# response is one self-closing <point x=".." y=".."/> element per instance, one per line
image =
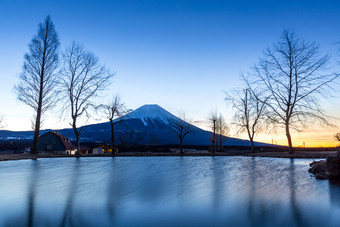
<point x="165" y="191"/>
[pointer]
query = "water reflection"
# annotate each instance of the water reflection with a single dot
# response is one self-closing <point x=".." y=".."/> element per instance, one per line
<point x="31" y="191"/>
<point x="165" y="191"/>
<point x="293" y="200"/>
<point x="111" y="190"/>
<point x="67" y="217"/>
<point x="252" y="183"/>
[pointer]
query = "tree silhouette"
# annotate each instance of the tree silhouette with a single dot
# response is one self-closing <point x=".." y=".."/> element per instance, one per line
<point x="292" y="74"/>
<point x="181" y="128"/>
<point x="249" y="111"/>
<point x="83" y="78"/>
<point x="213" y="117"/>
<point x="111" y="111"/>
<point x="38" y="80"/>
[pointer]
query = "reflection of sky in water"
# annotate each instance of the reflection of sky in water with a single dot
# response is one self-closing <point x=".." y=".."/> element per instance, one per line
<point x="166" y="191"/>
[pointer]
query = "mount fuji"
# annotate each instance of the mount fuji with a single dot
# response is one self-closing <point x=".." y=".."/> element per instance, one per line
<point x="149" y="124"/>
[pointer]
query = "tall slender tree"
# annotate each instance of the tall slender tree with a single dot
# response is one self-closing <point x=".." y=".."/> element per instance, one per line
<point x="83" y="78"/>
<point x="38" y="80"/>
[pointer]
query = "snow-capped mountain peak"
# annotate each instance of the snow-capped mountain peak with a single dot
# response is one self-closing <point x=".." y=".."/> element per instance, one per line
<point x="151" y="112"/>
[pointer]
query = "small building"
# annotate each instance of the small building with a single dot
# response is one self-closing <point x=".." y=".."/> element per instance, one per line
<point x="83" y="150"/>
<point x="54" y="142"/>
<point x="97" y="150"/>
<point x="103" y="149"/>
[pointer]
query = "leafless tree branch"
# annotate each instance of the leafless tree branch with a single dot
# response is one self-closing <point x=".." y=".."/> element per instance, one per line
<point x="83" y="78"/>
<point x="181" y="127"/>
<point x="292" y="73"/>
<point x="115" y="108"/>
<point x="250" y="108"/>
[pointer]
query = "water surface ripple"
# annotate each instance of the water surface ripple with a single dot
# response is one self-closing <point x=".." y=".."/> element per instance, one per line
<point x="165" y="191"/>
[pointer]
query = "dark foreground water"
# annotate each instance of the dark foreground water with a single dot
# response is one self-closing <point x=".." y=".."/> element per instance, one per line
<point x="165" y="191"/>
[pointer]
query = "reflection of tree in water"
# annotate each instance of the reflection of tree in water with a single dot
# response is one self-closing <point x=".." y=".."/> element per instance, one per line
<point x="262" y="211"/>
<point x="111" y="192"/>
<point x="67" y="218"/>
<point x="218" y="176"/>
<point x="256" y="212"/>
<point x="183" y="181"/>
<point x="252" y="188"/>
<point x="32" y="190"/>
<point x="297" y="216"/>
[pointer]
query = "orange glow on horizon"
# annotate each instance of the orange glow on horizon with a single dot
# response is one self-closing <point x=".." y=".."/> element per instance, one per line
<point x="316" y="138"/>
<point x="308" y="138"/>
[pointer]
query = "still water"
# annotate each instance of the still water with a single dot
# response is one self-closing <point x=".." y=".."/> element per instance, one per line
<point x="165" y="191"/>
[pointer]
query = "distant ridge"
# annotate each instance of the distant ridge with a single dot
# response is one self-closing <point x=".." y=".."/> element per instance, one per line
<point x="148" y="124"/>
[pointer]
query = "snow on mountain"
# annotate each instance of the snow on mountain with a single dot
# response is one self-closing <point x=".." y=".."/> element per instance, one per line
<point x="151" y="113"/>
<point x="149" y="124"/>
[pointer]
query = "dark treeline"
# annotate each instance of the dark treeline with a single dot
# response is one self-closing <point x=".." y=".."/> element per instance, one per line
<point x="19" y="146"/>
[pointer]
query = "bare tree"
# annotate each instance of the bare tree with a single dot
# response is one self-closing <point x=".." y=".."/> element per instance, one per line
<point x="181" y="127"/>
<point x="38" y="80"/>
<point x="213" y="117"/>
<point x="222" y="131"/>
<point x="337" y="136"/>
<point x="249" y="112"/>
<point x="83" y="78"/>
<point x="292" y="72"/>
<point x="111" y="111"/>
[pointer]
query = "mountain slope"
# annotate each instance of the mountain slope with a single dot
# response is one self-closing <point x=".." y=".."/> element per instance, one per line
<point x="149" y="124"/>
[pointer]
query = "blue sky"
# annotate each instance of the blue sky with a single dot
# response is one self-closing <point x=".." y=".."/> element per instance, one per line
<point x="181" y="55"/>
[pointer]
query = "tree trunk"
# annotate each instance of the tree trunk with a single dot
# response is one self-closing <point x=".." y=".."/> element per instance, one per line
<point x="221" y="142"/>
<point x="181" y="145"/>
<point x="214" y="140"/>
<point x="77" y="134"/>
<point x="112" y="138"/>
<point x="78" y="145"/>
<point x="289" y="138"/>
<point x="37" y="121"/>
<point x="213" y="144"/>
<point x="252" y="146"/>
<point x="36" y="134"/>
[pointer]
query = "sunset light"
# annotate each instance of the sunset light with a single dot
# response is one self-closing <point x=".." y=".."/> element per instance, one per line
<point x="170" y="113"/>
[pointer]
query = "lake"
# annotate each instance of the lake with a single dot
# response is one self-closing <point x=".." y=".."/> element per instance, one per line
<point x="165" y="191"/>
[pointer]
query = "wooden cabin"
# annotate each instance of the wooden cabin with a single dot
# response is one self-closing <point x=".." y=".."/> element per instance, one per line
<point x="54" y="142"/>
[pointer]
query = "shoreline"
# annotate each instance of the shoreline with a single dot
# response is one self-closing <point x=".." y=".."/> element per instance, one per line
<point x="297" y="154"/>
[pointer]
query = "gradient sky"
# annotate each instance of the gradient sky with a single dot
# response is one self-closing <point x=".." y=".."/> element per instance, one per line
<point x="181" y="55"/>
